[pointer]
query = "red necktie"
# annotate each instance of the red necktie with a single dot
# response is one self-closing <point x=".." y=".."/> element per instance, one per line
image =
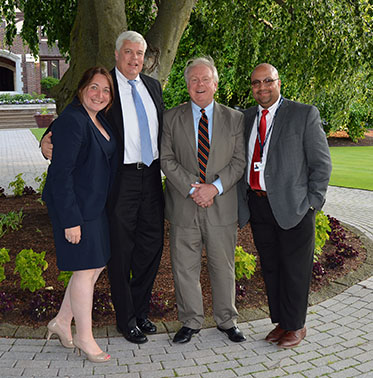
<point x="203" y="146"/>
<point x="254" y="175"/>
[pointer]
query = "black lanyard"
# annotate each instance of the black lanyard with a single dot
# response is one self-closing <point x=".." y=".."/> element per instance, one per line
<point x="269" y="130"/>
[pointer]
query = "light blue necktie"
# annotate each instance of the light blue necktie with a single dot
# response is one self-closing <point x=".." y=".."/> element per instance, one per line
<point x="146" y="144"/>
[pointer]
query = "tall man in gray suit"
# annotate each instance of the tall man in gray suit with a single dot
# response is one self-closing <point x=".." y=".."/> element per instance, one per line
<point x="202" y="156"/>
<point x="285" y="182"/>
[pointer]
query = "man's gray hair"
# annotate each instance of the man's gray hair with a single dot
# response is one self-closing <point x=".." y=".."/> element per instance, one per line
<point x="204" y="60"/>
<point x="131" y="36"/>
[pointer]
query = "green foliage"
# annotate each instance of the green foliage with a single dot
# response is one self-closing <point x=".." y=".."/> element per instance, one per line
<point x="64" y="277"/>
<point x="48" y="82"/>
<point x="358" y="118"/>
<point x="245" y="263"/>
<point x="4" y="258"/>
<point x="30" y="265"/>
<point x="41" y="181"/>
<point x="321" y="233"/>
<point x="322" y="50"/>
<point x="17" y="185"/>
<point x="11" y="221"/>
<point x="55" y="16"/>
<point x="140" y="15"/>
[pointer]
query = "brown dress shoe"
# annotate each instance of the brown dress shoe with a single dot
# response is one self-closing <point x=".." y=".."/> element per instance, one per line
<point x="292" y="338"/>
<point x="275" y="334"/>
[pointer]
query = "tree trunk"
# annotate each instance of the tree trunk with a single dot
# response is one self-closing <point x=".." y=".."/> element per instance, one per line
<point x="164" y="36"/>
<point x="96" y="27"/>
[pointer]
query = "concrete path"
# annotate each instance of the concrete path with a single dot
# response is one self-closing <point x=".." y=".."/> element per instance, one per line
<point x="19" y="153"/>
<point x="340" y="330"/>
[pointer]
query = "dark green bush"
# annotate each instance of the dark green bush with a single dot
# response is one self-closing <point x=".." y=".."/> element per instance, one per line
<point x="47" y="83"/>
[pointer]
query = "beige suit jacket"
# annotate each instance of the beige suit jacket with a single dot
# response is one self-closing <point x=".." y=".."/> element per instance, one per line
<point x="179" y="163"/>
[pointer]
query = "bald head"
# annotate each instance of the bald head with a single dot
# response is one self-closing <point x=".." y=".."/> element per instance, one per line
<point x="267" y="67"/>
<point x="265" y="85"/>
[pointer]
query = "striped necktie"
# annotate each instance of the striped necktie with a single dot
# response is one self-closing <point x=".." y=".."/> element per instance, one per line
<point x="203" y="145"/>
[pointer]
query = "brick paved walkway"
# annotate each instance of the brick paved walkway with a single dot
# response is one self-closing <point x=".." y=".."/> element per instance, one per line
<point x="340" y="330"/>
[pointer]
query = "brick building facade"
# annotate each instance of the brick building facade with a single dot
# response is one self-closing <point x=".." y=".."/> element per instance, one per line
<point x="20" y="71"/>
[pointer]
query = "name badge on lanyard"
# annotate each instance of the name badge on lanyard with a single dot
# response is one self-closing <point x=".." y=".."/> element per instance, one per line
<point x="258" y="165"/>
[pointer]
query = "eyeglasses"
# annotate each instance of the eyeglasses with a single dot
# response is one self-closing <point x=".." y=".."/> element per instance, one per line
<point x="266" y="82"/>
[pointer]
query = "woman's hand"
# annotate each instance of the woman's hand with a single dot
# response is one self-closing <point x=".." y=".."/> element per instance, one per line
<point x="73" y="234"/>
<point x="47" y="146"/>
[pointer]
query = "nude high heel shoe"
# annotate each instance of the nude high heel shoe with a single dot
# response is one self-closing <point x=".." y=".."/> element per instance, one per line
<point x="101" y="357"/>
<point x="53" y="327"/>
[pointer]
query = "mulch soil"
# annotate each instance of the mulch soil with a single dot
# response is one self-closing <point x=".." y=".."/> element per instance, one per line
<point x="36" y="234"/>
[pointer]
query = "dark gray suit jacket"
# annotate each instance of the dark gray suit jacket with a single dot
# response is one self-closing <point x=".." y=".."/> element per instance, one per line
<point x="298" y="164"/>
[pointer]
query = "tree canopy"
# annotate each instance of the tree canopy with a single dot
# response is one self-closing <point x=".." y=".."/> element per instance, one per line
<point x="322" y="48"/>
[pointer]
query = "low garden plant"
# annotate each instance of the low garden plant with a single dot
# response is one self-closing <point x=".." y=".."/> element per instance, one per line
<point x="43" y="305"/>
<point x="7" y="301"/>
<point x="4" y="258"/>
<point x="17" y="185"/>
<point x="41" y="181"/>
<point x="321" y="233"/>
<point x="244" y="263"/>
<point x="30" y="265"/>
<point x="335" y="260"/>
<point x="11" y="221"/>
<point x="64" y="277"/>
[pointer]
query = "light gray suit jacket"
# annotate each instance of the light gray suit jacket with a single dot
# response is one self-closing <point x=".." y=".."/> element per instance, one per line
<point x="179" y="162"/>
<point x="298" y="164"/>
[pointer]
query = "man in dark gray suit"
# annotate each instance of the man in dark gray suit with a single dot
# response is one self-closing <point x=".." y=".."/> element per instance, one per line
<point x="283" y="186"/>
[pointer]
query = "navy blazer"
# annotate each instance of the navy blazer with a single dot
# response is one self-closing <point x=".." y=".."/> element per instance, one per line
<point x="80" y="174"/>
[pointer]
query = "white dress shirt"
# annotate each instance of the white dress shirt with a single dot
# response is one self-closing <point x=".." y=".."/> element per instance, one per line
<point x="132" y="150"/>
<point x="254" y="133"/>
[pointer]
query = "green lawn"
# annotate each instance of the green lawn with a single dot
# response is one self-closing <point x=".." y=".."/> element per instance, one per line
<point x="38" y="133"/>
<point x="352" y="167"/>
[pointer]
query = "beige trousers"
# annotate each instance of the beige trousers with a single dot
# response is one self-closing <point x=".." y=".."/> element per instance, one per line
<point x="186" y="248"/>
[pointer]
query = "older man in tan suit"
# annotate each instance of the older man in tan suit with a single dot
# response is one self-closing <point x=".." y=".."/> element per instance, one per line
<point x="203" y="157"/>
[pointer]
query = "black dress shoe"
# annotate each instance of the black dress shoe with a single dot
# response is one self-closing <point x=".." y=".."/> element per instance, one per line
<point x="184" y="334"/>
<point x="234" y="334"/>
<point x="134" y="335"/>
<point x="146" y="326"/>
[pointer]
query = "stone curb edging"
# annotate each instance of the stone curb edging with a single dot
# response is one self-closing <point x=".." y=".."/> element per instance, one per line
<point x="336" y="287"/>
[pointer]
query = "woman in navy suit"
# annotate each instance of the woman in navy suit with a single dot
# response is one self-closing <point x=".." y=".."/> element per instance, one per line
<point x="76" y="190"/>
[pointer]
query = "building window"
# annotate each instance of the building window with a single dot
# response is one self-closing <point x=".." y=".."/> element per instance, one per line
<point x="6" y="79"/>
<point x="50" y="68"/>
